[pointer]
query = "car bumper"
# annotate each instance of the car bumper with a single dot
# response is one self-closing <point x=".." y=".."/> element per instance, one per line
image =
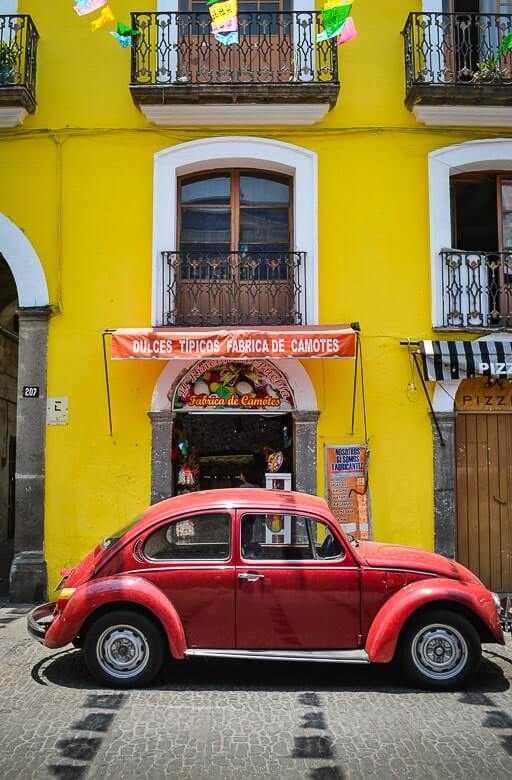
<point x="39" y="621"/>
<point x="505" y="615"/>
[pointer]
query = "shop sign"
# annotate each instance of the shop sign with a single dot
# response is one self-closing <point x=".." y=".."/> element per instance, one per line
<point x="347" y="488"/>
<point x="212" y="385"/>
<point x="484" y="395"/>
<point x="328" y="341"/>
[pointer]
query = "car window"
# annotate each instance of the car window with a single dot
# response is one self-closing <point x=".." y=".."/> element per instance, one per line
<point x="284" y="537"/>
<point x="198" y="537"/>
<point x="324" y="543"/>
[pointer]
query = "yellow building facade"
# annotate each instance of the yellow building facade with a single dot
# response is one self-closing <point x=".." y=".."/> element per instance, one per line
<point x="88" y="190"/>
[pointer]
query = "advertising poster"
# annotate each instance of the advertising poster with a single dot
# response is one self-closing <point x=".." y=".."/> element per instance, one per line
<point x="346" y="486"/>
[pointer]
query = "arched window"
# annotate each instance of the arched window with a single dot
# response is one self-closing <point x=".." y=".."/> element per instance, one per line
<point x="235" y="211"/>
<point x="234" y="263"/>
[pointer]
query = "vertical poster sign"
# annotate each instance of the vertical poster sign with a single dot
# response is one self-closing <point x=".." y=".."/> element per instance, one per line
<point x="346" y="486"/>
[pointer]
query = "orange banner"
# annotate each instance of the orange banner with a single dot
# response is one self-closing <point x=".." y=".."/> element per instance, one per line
<point x="347" y="488"/>
<point x="329" y="341"/>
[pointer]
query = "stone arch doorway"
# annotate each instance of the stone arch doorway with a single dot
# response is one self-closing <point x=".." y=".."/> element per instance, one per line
<point x="28" y="576"/>
<point x="304" y="416"/>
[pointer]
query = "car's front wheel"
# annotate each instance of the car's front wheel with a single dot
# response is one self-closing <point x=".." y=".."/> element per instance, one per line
<point x="439" y="649"/>
<point x="123" y="649"/>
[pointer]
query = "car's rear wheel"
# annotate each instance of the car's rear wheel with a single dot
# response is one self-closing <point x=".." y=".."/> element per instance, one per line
<point x="123" y="649"/>
<point x="439" y="649"/>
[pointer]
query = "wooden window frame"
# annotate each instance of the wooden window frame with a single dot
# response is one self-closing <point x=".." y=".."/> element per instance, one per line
<point x="500" y="178"/>
<point x="234" y="201"/>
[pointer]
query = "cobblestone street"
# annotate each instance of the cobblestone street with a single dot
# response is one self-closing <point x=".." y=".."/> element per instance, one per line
<point x="226" y="719"/>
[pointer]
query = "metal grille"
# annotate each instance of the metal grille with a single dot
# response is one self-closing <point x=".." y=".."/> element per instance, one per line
<point x="274" y="47"/>
<point x="18" y="46"/>
<point x="457" y="49"/>
<point x="477" y="289"/>
<point x="233" y="288"/>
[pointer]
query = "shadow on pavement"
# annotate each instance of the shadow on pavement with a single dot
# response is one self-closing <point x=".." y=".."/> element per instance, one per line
<point x="68" y="670"/>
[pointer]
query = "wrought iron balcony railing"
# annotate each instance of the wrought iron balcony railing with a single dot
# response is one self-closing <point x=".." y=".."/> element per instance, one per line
<point x="477" y="289"/>
<point x="233" y="288"/>
<point x="447" y="51"/>
<point x="18" y="47"/>
<point x="276" y="47"/>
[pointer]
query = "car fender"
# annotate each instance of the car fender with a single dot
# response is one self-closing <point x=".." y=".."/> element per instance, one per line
<point x="94" y="594"/>
<point x="385" y="629"/>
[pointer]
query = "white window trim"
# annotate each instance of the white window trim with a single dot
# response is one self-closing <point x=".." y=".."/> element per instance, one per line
<point x="237" y="152"/>
<point x="24" y="263"/>
<point x="442" y="164"/>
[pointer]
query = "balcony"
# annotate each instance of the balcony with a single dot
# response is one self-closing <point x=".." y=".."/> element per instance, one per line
<point x="18" y="46"/>
<point x="278" y="73"/>
<point x="476" y="290"/>
<point x="454" y="75"/>
<point x="233" y="288"/>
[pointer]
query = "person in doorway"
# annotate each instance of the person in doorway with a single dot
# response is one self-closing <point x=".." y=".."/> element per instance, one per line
<point x="250" y="476"/>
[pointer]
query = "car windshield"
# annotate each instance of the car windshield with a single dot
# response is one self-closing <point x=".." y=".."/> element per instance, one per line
<point x="108" y="541"/>
<point x="351" y="538"/>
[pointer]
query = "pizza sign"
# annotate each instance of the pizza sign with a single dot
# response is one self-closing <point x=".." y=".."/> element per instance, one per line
<point x="213" y="385"/>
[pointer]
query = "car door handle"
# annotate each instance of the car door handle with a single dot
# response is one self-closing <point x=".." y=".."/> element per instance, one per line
<point x="251" y="576"/>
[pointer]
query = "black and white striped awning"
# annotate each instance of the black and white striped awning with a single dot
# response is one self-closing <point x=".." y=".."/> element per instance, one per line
<point x="444" y="360"/>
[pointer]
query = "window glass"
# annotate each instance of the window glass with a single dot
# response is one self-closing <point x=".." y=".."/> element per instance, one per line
<point x="210" y="191"/>
<point x="507" y="230"/>
<point x="506" y="195"/>
<point x="258" y="190"/>
<point x="506" y="204"/>
<point x="286" y="538"/>
<point x="326" y="546"/>
<point x="275" y="537"/>
<point x="201" y="537"/>
<point x="264" y="226"/>
<point x="205" y="226"/>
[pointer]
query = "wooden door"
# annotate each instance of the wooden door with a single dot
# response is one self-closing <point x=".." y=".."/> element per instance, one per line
<point x="265" y="53"/>
<point x="484" y="496"/>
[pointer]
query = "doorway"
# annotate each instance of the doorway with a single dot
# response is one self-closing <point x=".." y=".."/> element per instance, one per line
<point x="211" y="451"/>
<point x="483" y="442"/>
<point x="8" y="404"/>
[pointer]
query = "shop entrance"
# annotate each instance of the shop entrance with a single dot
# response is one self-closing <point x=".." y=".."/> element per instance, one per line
<point x="484" y="480"/>
<point x="213" y="451"/>
<point x="233" y="413"/>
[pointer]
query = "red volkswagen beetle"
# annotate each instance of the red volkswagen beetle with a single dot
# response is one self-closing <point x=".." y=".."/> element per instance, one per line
<point x="270" y="575"/>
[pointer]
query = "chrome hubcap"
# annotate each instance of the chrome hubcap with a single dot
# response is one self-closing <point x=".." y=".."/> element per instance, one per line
<point x="439" y="652"/>
<point x="122" y="651"/>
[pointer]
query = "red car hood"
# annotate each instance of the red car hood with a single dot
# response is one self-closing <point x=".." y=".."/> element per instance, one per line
<point x="395" y="556"/>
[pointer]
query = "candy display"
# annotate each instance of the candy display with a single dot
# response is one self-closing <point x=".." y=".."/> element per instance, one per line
<point x="233" y="386"/>
<point x="274" y="461"/>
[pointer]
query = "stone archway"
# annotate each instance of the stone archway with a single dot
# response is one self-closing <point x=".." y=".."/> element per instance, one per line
<point x="305" y="423"/>
<point x="28" y="576"/>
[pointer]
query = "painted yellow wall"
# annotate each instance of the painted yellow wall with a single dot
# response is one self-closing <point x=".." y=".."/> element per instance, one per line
<point x="77" y="178"/>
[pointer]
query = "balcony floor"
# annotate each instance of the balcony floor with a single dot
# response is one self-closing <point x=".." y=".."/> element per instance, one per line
<point x="236" y="104"/>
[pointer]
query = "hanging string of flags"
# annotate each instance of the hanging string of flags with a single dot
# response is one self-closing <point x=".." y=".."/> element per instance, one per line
<point x="224" y="16"/>
<point x="337" y="21"/>
<point x="335" y="16"/>
<point x="123" y="33"/>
